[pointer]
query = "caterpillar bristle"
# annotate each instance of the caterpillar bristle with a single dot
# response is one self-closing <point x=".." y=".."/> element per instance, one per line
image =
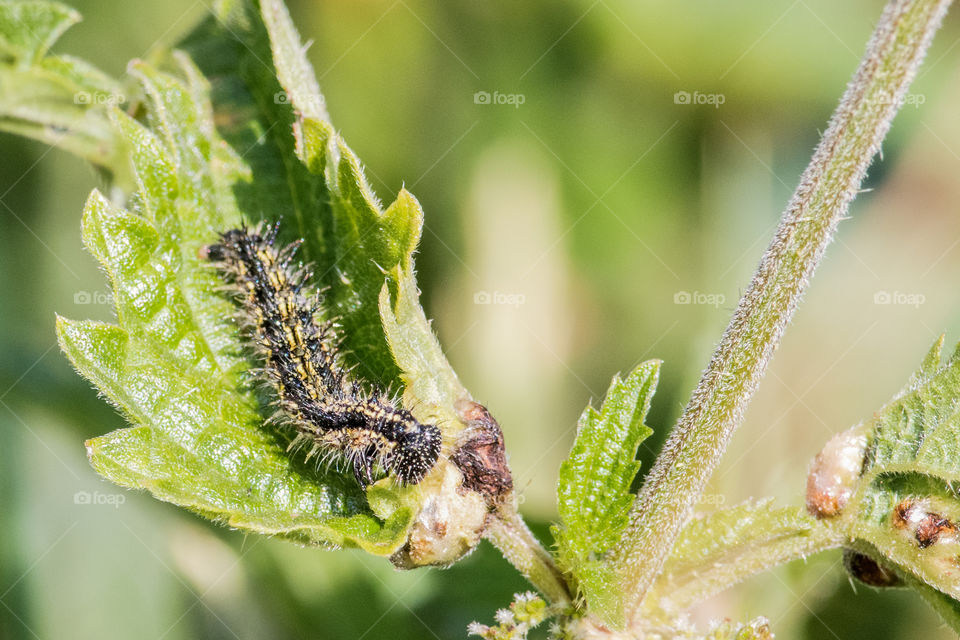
<point x="298" y="349"/>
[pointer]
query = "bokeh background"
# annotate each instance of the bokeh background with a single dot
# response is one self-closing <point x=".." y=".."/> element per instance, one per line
<point x="587" y="217"/>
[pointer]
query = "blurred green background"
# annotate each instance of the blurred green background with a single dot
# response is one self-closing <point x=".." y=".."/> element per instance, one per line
<point x="614" y="201"/>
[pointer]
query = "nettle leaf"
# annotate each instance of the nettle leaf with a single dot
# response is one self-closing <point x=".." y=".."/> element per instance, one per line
<point x="242" y="139"/>
<point x="355" y="244"/>
<point x="918" y="430"/>
<point x="593" y="493"/>
<point x="427" y="376"/>
<point x="264" y="90"/>
<point x="720" y="549"/>
<point x="365" y="255"/>
<point x="56" y="99"/>
<point x="29" y="29"/>
<point x="363" y="252"/>
<point x="904" y="509"/>
<point x="173" y="363"/>
<point x="365" y="258"/>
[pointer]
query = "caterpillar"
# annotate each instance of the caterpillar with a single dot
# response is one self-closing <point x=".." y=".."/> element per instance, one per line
<point x="278" y="313"/>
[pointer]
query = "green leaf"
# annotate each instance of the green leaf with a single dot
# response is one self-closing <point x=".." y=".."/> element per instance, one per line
<point x="55" y="99"/>
<point x="365" y="255"/>
<point x="594" y="495"/>
<point x="254" y="115"/>
<point x="29" y="29"/>
<point x="904" y="509"/>
<point x="919" y="430"/>
<point x="324" y="198"/>
<point x="255" y="492"/>
<point x="716" y="551"/>
<point x="293" y="69"/>
<point x="173" y="363"/>
<point x="426" y="374"/>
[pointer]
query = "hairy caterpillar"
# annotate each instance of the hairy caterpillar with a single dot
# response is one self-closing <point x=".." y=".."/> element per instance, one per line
<point x="330" y="412"/>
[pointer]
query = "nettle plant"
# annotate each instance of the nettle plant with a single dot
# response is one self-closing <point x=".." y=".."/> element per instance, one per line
<point x="233" y="124"/>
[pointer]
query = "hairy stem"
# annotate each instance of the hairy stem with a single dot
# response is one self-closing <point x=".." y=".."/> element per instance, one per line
<point x="510" y="535"/>
<point x="828" y="185"/>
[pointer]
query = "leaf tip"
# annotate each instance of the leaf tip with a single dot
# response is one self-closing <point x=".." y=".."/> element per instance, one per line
<point x="64" y="328"/>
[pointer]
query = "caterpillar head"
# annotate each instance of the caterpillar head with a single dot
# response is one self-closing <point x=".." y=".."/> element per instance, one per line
<point x="416" y="453"/>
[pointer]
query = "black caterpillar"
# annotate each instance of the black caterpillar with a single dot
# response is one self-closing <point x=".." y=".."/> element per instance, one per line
<point x="330" y="412"/>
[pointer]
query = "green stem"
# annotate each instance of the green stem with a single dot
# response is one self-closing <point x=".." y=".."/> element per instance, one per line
<point x="828" y="185"/>
<point x="510" y="535"/>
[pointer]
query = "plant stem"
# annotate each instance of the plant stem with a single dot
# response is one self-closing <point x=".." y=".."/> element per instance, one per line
<point x="510" y="535"/>
<point x="826" y="188"/>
